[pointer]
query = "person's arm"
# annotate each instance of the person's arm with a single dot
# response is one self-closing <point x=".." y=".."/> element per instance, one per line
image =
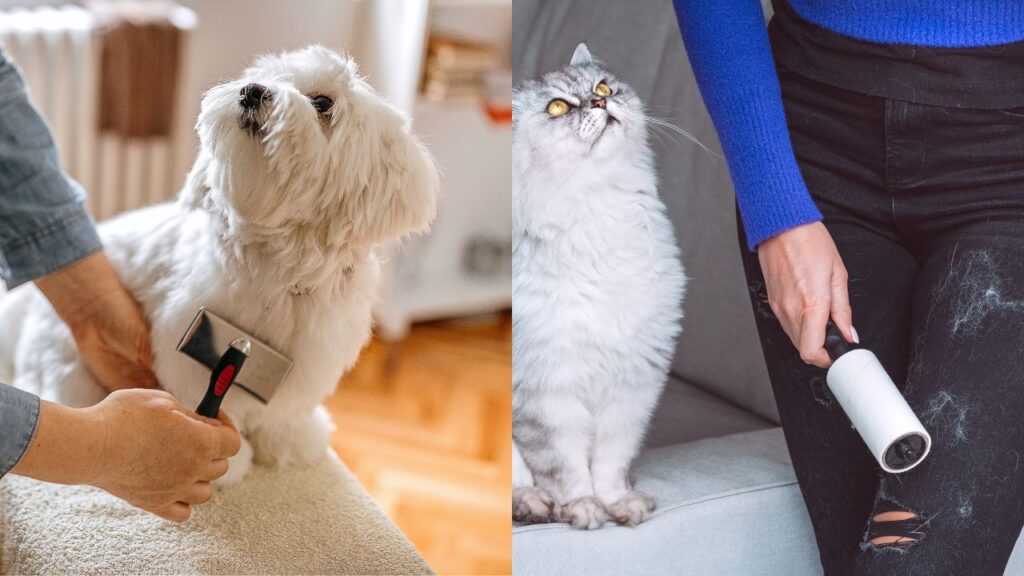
<point x="19" y="414"/>
<point x="110" y="330"/>
<point x="142" y="446"/>
<point x="47" y="236"/>
<point x="43" y="224"/>
<point x="728" y="48"/>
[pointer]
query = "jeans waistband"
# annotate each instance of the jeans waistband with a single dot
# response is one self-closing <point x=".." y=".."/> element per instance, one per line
<point x="986" y="77"/>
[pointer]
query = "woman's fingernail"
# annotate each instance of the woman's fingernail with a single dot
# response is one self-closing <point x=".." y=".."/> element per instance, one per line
<point x="853" y="332"/>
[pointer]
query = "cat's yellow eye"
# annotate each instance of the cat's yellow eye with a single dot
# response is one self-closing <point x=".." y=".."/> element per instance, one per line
<point x="557" y="107"/>
<point x="603" y="90"/>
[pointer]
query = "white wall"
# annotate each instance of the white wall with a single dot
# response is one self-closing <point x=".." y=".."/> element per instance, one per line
<point x="390" y="48"/>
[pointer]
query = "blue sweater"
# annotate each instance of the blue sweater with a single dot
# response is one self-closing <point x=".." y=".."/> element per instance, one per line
<point x="727" y="43"/>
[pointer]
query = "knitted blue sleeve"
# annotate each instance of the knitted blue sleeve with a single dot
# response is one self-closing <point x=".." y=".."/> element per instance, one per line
<point x="727" y="43"/>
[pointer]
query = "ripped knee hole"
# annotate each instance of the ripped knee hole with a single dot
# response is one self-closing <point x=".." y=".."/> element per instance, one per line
<point x="894" y="528"/>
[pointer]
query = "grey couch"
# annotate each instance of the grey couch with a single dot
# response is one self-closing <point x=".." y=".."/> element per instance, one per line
<point x="715" y="459"/>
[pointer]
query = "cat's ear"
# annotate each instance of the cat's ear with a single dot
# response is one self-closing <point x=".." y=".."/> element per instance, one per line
<point x="581" y="55"/>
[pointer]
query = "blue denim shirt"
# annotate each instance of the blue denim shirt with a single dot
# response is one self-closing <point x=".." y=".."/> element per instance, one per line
<point x="43" y="228"/>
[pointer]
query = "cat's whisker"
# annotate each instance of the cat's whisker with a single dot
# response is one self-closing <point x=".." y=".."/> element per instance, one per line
<point x="662" y="108"/>
<point x="664" y="136"/>
<point x="658" y="131"/>
<point x="659" y="135"/>
<point x="653" y="121"/>
<point x="664" y="113"/>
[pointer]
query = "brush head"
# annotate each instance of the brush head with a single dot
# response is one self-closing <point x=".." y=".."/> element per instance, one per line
<point x="210" y="335"/>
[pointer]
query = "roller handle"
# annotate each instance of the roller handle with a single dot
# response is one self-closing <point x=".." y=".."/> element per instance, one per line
<point x="222" y="377"/>
<point x="835" y="344"/>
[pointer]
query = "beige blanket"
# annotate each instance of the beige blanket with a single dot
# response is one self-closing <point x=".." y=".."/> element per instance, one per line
<point x="317" y="520"/>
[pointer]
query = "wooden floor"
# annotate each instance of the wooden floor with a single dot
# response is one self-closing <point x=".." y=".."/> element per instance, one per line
<point x="425" y="426"/>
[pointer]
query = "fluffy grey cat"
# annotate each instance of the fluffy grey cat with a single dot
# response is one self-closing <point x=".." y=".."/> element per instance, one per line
<point x="597" y="292"/>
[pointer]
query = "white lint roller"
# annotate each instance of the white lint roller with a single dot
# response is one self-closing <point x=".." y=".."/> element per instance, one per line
<point x="874" y="405"/>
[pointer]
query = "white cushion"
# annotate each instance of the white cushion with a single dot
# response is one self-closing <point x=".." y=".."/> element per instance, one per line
<point x="728" y="505"/>
<point x="312" y="520"/>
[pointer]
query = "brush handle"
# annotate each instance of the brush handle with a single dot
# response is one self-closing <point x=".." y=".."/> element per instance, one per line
<point x="222" y="377"/>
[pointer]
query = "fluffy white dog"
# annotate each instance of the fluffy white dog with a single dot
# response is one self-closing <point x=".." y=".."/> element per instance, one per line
<point x="303" y="170"/>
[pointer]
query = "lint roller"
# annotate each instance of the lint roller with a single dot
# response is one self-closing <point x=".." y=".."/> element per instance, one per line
<point x="874" y="405"/>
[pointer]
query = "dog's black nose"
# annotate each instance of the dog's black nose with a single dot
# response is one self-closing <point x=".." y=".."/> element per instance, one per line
<point x="252" y="95"/>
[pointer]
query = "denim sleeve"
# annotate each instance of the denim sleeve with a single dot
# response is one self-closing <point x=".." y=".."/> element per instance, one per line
<point x="43" y="223"/>
<point x="19" y="413"/>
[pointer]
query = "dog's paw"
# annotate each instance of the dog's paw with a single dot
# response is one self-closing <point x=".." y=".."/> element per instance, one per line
<point x="238" y="466"/>
<point x="532" y="505"/>
<point x="300" y="440"/>
<point x="632" y="509"/>
<point x="586" y="513"/>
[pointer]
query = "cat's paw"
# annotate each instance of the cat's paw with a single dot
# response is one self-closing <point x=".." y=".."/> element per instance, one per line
<point x="532" y="505"/>
<point x="632" y="509"/>
<point x="586" y="513"/>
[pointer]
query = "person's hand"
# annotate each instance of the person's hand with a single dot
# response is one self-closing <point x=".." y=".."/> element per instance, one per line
<point x="142" y="446"/>
<point x="110" y="331"/>
<point x="159" y="455"/>
<point x="806" y="283"/>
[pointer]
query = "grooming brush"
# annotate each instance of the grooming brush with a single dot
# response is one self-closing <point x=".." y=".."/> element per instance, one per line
<point x="234" y="358"/>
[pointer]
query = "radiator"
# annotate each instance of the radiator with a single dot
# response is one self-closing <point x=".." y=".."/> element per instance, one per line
<point x="58" y="50"/>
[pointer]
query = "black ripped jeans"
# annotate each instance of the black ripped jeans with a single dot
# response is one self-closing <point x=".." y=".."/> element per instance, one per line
<point x="926" y="206"/>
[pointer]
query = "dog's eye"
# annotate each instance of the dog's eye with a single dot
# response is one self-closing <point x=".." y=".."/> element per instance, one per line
<point x="322" y="103"/>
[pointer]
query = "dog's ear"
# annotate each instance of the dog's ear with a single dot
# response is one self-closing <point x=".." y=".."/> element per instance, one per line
<point x="400" y="196"/>
<point x="420" y="182"/>
<point x="195" y="190"/>
<point x="344" y="62"/>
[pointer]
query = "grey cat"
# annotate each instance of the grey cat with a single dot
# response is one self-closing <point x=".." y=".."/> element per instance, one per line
<point x="597" y="286"/>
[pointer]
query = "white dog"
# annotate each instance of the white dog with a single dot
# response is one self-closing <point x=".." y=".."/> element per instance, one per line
<point x="303" y="170"/>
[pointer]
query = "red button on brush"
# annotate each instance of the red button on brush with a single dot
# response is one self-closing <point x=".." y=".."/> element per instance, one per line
<point x="223" y="375"/>
<point x="224" y="380"/>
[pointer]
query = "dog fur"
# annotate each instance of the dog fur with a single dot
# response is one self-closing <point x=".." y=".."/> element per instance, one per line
<point x="275" y="230"/>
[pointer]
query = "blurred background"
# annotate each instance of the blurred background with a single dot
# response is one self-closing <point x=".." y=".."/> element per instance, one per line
<point x="423" y="419"/>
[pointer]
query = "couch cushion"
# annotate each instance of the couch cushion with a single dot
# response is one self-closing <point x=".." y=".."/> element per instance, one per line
<point x="687" y="412"/>
<point x="316" y="520"/>
<point x="727" y="505"/>
<point x="640" y="42"/>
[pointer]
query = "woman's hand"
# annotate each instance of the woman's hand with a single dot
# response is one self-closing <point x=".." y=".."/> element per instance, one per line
<point x="806" y="283"/>
<point x="110" y="331"/>
<point x="142" y="446"/>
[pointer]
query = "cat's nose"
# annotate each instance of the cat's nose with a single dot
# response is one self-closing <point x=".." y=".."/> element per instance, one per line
<point x="598" y="103"/>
